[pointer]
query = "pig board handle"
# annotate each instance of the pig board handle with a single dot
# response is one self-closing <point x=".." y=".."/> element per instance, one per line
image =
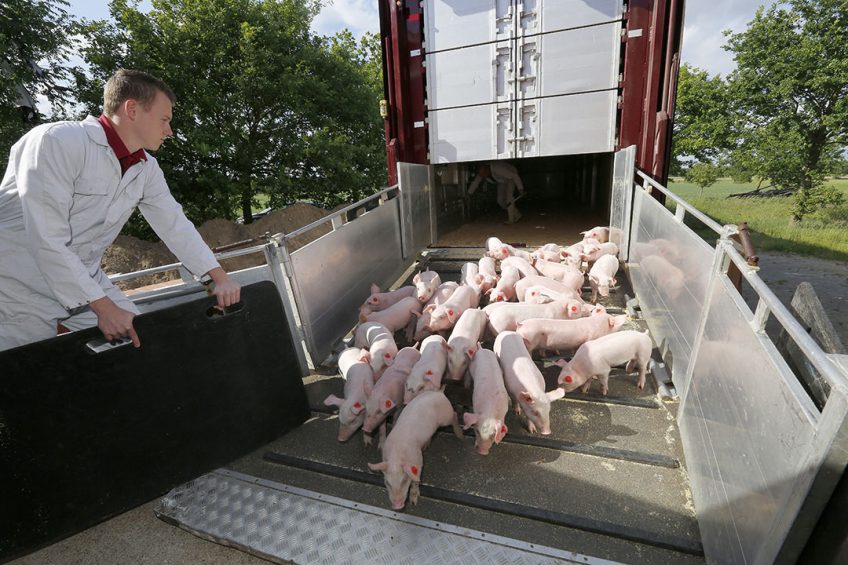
<point x="102" y="345"/>
<point x="213" y="312"/>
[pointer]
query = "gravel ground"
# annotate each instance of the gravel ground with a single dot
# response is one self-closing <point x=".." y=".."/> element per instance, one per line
<point x="784" y="272"/>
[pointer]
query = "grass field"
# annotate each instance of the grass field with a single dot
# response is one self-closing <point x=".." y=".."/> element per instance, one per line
<point x="823" y="234"/>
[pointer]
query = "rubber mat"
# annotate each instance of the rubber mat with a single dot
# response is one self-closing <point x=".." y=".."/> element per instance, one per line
<point x="85" y="436"/>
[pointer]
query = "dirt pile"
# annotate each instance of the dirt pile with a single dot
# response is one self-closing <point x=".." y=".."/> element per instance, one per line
<point x="130" y="254"/>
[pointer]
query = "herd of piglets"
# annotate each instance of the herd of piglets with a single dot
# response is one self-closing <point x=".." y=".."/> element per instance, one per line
<point x="521" y="302"/>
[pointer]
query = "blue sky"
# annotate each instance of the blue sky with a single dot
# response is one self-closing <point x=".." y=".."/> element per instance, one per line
<point x="702" y="36"/>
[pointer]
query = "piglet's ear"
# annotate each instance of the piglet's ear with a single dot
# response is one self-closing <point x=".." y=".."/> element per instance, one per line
<point x="417" y="277"/>
<point x="555" y="394"/>
<point x="526" y="397"/>
<point x="414" y="472"/>
<point x="469" y="419"/>
<point x="471" y="353"/>
<point x="614" y="282"/>
<point x="381" y="466"/>
<point x="499" y="435"/>
<point x="374" y="288"/>
<point x="560" y="363"/>
<point x="333" y="400"/>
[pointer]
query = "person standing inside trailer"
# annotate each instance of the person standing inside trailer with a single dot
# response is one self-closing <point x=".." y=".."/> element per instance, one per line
<point x="68" y="190"/>
<point x="507" y="179"/>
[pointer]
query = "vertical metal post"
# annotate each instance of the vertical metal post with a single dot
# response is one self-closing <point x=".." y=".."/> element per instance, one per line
<point x="279" y="261"/>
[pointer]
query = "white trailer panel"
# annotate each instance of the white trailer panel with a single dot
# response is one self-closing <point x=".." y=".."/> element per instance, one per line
<point x="471" y="133"/>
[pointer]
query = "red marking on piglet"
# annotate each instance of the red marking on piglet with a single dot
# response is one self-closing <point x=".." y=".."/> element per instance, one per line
<point x="429" y="373"/>
<point x="450" y="312"/>
<point x="533" y="293"/>
<point x="414" y="470"/>
<point x="388" y="355"/>
<point x="503" y="429"/>
<point x="357" y="405"/>
<point x="388" y="403"/>
<point x="568" y="378"/>
<point x="574" y="308"/>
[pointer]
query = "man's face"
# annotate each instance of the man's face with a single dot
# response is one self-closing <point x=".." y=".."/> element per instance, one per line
<point x="153" y="125"/>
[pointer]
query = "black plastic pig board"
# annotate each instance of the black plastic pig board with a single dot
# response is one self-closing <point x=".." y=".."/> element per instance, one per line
<point x="86" y="436"/>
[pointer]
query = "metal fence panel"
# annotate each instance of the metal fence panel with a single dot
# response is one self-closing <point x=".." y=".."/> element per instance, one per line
<point x="415" y="183"/>
<point x="748" y="433"/>
<point x="622" y="199"/>
<point x="669" y="268"/>
<point x="332" y="275"/>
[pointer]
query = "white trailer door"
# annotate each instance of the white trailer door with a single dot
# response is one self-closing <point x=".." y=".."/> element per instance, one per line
<point x="569" y="61"/>
<point x="450" y="24"/>
<point x="543" y="16"/>
<point x="472" y="133"/>
<point x="549" y="66"/>
<point x="480" y="74"/>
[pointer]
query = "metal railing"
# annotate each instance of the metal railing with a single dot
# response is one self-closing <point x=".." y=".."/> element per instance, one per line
<point x="761" y="457"/>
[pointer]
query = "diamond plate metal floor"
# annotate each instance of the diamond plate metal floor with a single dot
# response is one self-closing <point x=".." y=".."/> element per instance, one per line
<point x="281" y="522"/>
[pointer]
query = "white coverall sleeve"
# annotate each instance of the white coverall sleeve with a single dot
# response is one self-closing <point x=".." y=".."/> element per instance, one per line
<point x="516" y="178"/>
<point x="167" y="219"/>
<point x="474" y="184"/>
<point x="45" y="169"/>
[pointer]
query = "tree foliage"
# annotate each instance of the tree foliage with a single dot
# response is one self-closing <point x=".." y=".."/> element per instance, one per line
<point x="790" y="91"/>
<point x="703" y="174"/>
<point x="34" y="42"/>
<point x="782" y="114"/>
<point x="264" y="106"/>
<point x="703" y="121"/>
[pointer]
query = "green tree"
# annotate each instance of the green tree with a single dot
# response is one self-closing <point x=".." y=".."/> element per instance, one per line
<point x="704" y="174"/>
<point x="703" y="122"/>
<point x="264" y="106"/>
<point x="790" y="96"/>
<point x="33" y="57"/>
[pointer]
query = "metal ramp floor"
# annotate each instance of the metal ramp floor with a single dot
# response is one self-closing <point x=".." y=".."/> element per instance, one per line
<point x="608" y="484"/>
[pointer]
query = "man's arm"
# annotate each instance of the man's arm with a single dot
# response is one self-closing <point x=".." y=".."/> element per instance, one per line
<point x="474" y="184"/>
<point x="226" y="289"/>
<point x="166" y="217"/>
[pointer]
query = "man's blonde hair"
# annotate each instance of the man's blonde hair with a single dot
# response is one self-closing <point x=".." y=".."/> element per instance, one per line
<point x="127" y="84"/>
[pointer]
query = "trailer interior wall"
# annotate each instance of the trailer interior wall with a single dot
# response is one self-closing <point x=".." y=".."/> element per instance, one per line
<point x="568" y="189"/>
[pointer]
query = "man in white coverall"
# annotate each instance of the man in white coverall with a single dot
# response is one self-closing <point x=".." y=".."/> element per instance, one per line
<point x="67" y="192"/>
<point x="506" y="177"/>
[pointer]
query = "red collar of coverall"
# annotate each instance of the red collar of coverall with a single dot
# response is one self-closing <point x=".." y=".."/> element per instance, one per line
<point x="125" y="158"/>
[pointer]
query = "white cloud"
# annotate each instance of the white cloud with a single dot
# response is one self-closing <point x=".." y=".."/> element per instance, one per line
<point x="359" y="16"/>
<point x="703" y="26"/>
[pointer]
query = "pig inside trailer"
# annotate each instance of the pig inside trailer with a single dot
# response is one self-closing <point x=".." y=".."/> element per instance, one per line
<point x="742" y="465"/>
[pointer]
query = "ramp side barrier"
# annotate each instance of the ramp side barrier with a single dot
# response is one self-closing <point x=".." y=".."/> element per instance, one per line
<point x="763" y="460"/>
<point x="329" y="285"/>
<point x="321" y="287"/>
